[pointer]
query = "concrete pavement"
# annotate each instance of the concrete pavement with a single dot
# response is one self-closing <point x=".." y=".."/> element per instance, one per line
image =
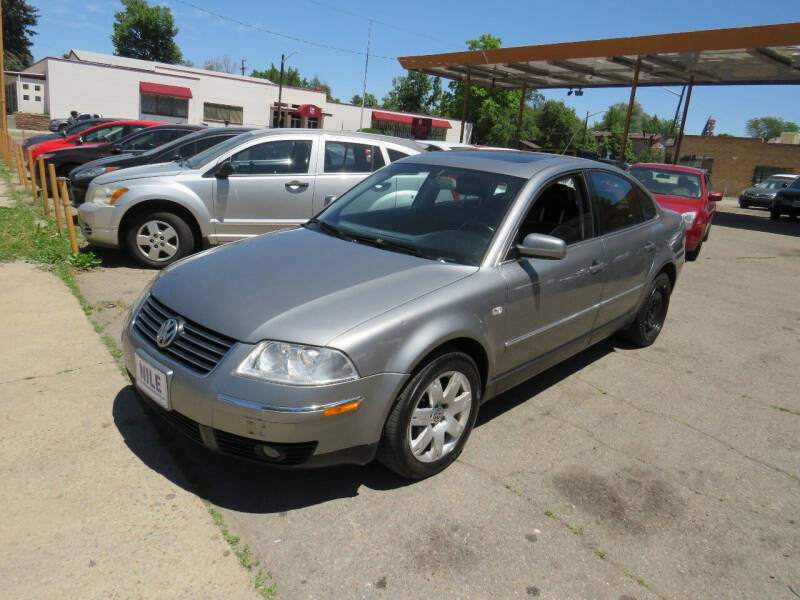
<point x="83" y="516"/>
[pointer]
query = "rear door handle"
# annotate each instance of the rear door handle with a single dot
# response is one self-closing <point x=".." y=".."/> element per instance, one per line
<point x="596" y="267"/>
<point x="296" y="185"/>
<point x="650" y="246"/>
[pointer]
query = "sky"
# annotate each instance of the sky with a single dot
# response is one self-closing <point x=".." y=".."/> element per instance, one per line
<point x="331" y="39"/>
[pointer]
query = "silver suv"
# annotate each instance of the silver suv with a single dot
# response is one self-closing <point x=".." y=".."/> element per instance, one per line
<point x="254" y="183"/>
<point x="380" y="326"/>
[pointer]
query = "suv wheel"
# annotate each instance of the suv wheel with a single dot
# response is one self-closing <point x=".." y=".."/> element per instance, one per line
<point x="774" y="215"/>
<point x="432" y="418"/>
<point x="158" y="239"/>
<point x="651" y="316"/>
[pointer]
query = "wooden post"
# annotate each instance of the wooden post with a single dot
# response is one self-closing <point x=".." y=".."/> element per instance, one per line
<point x="464" y="107"/>
<point x="22" y="172"/>
<point x="43" y="185"/>
<point x="73" y="240"/>
<point x="678" y="141"/>
<point x="19" y="162"/>
<point x="32" y="173"/>
<point x="56" y="202"/>
<point x="624" y="142"/>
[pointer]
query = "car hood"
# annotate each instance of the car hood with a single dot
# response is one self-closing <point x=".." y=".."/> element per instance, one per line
<point x="678" y="203"/>
<point x="36" y="139"/>
<point x="297" y="285"/>
<point x="158" y="170"/>
<point x="756" y="191"/>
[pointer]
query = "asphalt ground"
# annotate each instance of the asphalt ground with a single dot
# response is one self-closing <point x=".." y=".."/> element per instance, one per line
<point x="666" y="472"/>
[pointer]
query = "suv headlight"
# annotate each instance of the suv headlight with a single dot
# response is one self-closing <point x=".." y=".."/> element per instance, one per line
<point x="93" y="172"/>
<point x="296" y="364"/>
<point x="106" y="195"/>
<point x="688" y="219"/>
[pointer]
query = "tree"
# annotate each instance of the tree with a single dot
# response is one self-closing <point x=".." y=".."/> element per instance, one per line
<point x="145" y="32"/>
<point x="369" y="100"/>
<point x="19" y="19"/>
<point x="608" y="147"/>
<point x="556" y="123"/>
<point x="223" y="64"/>
<point x="767" y="128"/>
<point x="416" y="92"/>
<point x="291" y="76"/>
<point x="640" y="120"/>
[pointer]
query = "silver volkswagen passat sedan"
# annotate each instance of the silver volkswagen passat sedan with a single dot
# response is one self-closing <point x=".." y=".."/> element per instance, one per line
<point x="379" y="327"/>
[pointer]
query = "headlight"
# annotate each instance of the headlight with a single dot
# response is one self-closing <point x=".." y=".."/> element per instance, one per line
<point x="294" y="364"/>
<point x="688" y="219"/>
<point x="106" y="195"/>
<point x="93" y="172"/>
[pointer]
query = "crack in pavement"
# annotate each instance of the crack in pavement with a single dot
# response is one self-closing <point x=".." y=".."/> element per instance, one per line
<point x="56" y="373"/>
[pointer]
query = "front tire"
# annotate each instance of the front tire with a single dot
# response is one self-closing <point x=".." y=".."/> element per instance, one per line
<point x="743" y="204"/>
<point x="774" y="215"/>
<point x="158" y="239"/>
<point x="432" y="417"/>
<point x="651" y="316"/>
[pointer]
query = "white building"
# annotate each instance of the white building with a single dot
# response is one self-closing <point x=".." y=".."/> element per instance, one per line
<point x="115" y="86"/>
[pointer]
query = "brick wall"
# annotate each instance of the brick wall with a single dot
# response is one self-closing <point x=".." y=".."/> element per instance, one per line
<point x="32" y="121"/>
<point x="735" y="158"/>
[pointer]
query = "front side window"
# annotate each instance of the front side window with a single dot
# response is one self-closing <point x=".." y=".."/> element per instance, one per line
<point x="395" y="154"/>
<point x="105" y="134"/>
<point x="273" y="158"/>
<point x="397" y="209"/>
<point x="616" y="200"/>
<point x="223" y="113"/>
<point x="561" y="210"/>
<point x="349" y="157"/>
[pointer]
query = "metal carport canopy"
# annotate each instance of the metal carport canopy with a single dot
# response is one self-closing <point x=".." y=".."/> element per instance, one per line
<point x="767" y="54"/>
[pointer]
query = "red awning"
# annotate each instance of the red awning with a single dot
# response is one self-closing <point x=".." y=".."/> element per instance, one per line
<point x="160" y="89"/>
<point x="308" y="110"/>
<point x="384" y="116"/>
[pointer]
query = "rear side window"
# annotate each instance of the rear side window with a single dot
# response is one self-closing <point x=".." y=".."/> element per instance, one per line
<point x="349" y="157"/>
<point x="618" y="202"/>
<point x="396" y="154"/>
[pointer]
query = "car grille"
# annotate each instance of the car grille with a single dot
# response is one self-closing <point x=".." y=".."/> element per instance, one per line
<point x="196" y="348"/>
<point x="236" y="445"/>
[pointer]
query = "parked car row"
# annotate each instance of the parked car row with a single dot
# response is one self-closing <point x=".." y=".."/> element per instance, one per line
<point x="763" y="193"/>
<point x="787" y="201"/>
<point x="378" y="327"/>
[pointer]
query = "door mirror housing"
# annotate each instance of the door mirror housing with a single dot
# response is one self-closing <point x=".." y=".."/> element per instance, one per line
<point x="329" y="199"/>
<point x="116" y="149"/>
<point x="715" y="196"/>
<point x="79" y="141"/>
<point x="224" y="170"/>
<point x="539" y="245"/>
<point x="784" y="185"/>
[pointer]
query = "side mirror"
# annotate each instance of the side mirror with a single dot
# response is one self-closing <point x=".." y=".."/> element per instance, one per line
<point x="224" y="170"/>
<point x="79" y="141"/>
<point x="539" y="245"/>
<point x="116" y="149"/>
<point x="715" y="196"/>
<point x="329" y="199"/>
<point x="784" y="185"/>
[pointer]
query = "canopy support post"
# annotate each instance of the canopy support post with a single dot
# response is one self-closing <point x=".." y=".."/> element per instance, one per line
<point x="677" y="153"/>
<point x="464" y="108"/>
<point x="519" y="115"/>
<point x="624" y="141"/>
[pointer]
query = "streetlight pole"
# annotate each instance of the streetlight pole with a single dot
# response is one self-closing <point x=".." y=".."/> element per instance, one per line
<point x="284" y="58"/>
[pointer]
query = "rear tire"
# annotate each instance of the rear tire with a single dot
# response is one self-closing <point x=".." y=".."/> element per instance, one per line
<point x="157" y="239"/>
<point x="743" y="204"/>
<point x="432" y="417"/>
<point x="649" y="321"/>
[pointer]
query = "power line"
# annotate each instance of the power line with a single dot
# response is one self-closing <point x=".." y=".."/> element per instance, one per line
<point x="281" y="35"/>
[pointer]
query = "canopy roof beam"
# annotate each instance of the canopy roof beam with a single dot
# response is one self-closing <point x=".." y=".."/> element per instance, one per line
<point x="591" y="72"/>
<point x="770" y="56"/>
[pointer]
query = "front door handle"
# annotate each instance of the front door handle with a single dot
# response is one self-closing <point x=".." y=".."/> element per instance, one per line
<point x="293" y="186"/>
<point x="650" y="246"/>
<point x="596" y="267"/>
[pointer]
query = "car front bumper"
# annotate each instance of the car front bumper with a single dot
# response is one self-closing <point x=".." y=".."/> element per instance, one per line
<point x="753" y="201"/>
<point x="274" y="424"/>
<point x="99" y="224"/>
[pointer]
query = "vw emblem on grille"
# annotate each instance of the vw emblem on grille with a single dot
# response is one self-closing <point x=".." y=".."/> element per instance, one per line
<point x="168" y="331"/>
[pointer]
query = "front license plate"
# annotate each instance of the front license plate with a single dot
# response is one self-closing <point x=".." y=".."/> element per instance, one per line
<point x="796" y="203"/>
<point x="152" y="382"/>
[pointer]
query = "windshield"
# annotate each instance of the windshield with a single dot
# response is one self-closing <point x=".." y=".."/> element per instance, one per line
<point x="668" y="182"/>
<point x="172" y="144"/>
<point x="440" y="213"/>
<point x="198" y="160"/>
<point x="773" y="183"/>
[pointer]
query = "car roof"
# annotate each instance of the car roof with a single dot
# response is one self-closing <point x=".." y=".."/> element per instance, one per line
<point x="411" y="144"/>
<point x="668" y="167"/>
<point x="506" y="162"/>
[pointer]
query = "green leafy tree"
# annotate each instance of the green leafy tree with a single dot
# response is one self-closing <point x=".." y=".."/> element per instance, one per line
<point x="415" y="92"/>
<point x="609" y="145"/>
<point x="145" y="32"/>
<point x="556" y="124"/>
<point x="19" y="19"/>
<point x="768" y="127"/>
<point x="369" y="100"/>
<point x="640" y="120"/>
<point x="290" y="76"/>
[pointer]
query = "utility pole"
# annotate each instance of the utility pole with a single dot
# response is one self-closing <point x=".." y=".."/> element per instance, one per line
<point x="366" y="66"/>
<point x="3" y="121"/>
<point x="242" y="66"/>
<point x="284" y="58"/>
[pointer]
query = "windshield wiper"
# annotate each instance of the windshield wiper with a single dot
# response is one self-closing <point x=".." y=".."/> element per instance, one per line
<point x="327" y="228"/>
<point x="390" y="245"/>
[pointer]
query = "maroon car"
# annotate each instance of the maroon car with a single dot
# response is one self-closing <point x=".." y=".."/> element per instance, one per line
<point x="685" y="190"/>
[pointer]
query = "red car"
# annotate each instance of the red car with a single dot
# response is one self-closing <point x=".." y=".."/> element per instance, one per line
<point x="102" y="133"/>
<point x="685" y="190"/>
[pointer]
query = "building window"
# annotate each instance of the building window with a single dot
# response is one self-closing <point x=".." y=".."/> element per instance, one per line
<point x="26" y="97"/>
<point x="761" y="172"/>
<point x="295" y="121"/>
<point x="24" y="86"/>
<point x="165" y="106"/>
<point x="38" y="98"/>
<point x="313" y="123"/>
<point x="223" y="112"/>
<point x="36" y="88"/>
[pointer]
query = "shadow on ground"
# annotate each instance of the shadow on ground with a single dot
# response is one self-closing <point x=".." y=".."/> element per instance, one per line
<point x="254" y="488"/>
<point x="759" y="221"/>
<point x="114" y="258"/>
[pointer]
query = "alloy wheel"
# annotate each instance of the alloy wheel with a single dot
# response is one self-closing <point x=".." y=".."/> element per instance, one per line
<point x="157" y="240"/>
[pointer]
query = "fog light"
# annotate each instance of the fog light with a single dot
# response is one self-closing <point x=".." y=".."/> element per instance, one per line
<point x="270" y="452"/>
